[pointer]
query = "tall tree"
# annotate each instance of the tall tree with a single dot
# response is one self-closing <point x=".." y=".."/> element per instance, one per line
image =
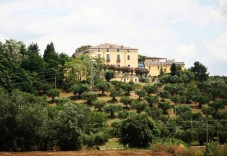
<point x="200" y="71"/>
<point x="50" y="56"/>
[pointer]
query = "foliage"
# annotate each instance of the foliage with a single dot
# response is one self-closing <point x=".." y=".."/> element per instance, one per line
<point x="139" y="106"/>
<point x="114" y="93"/>
<point x="151" y="89"/>
<point x="109" y="74"/>
<point x="165" y="106"/>
<point x="53" y="93"/>
<point x="126" y="101"/>
<point x="138" y="131"/>
<point x="112" y="109"/>
<point x="103" y="86"/>
<point x="23" y="122"/>
<point x="151" y="100"/>
<point x="71" y="125"/>
<point x="141" y="71"/>
<point x="140" y="93"/>
<point x="128" y="87"/>
<point x="89" y="96"/>
<point x="79" y="89"/>
<point x="212" y="149"/>
<point x="83" y="48"/>
<point x="200" y="71"/>
<point x="98" y="104"/>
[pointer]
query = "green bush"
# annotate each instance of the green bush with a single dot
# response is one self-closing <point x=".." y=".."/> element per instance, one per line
<point x="212" y="149"/>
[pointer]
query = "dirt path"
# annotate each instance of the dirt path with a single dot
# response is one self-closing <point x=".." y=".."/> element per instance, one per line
<point x="89" y="153"/>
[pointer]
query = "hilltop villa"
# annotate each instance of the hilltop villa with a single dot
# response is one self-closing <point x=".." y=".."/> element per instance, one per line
<point x="123" y="56"/>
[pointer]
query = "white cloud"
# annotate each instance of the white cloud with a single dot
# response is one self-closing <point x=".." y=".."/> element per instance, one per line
<point x="218" y="47"/>
<point x="157" y="28"/>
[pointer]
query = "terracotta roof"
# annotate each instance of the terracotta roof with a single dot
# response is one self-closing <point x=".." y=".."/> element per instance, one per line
<point x="111" y="46"/>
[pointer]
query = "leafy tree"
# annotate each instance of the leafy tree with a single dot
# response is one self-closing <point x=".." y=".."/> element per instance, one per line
<point x="109" y="74"/>
<point x="141" y="71"/>
<point x="98" y="104"/>
<point x="128" y="87"/>
<point x="165" y="106"/>
<point x="103" y="86"/>
<point x="153" y="112"/>
<point x="12" y="75"/>
<point x="175" y="69"/>
<point x="53" y="93"/>
<point x="139" y="106"/>
<point x="140" y="93"/>
<point x="151" y="100"/>
<point x="89" y="96"/>
<point x="71" y="125"/>
<point x="44" y="87"/>
<point x="82" y="48"/>
<point x="79" y="89"/>
<point x="217" y="105"/>
<point x="141" y="59"/>
<point x="138" y="131"/>
<point x="126" y="101"/>
<point x="50" y="56"/>
<point x="24" y="122"/>
<point x="112" y="109"/>
<point x="33" y="62"/>
<point x="113" y="94"/>
<point x="200" y="71"/>
<point x="150" y="89"/>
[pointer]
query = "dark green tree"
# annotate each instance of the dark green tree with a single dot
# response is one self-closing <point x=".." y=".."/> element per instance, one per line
<point x="138" y="131"/>
<point x="140" y="93"/>
<point x="89" y="97"/>
<point x="109" y="74"/>
<point x="51" y="57"/>
<point x="79" y="89"/>
<point x="112" y="109"/>
<point x="200" y="71"/>
<point x="126" y="101"/>
<point x="128" y="87"/>
<point x="113" y="94"/>
<point x="53" y="93"/>
<point x="103" y="86"/>
<point x="71" y="124"/>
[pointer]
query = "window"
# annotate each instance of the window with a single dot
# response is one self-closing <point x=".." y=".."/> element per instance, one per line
<point x="98" y="50"/>
<point x="128" y="50"/>
<point x="118" y="58"/>
<point x="128" y="57"/>
<point x="149" y="67"/>
<point x="99" y="55"/>
<point x="107" y="57"/>
<point x="128" y="65"/>
<point x="107" y="50"/>
<point x="118" y="50"/>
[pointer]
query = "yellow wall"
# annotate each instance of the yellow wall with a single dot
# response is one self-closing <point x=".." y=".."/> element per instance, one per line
<point x="133" y="53"/>
<point x="154" y="69"/>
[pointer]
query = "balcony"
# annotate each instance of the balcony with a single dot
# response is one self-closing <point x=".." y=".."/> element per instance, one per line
<point x="118" y="60"/>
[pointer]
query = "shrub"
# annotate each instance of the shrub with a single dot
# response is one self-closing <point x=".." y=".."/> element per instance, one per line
<point x="212" y="149"/>
<point x="89" y="96"/>
<point x="138" y="131"/>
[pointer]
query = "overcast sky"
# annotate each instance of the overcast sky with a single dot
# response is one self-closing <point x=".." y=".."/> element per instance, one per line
<point x="184" y="30"/>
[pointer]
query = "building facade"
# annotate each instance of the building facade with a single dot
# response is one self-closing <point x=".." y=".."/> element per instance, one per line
<point x="118" y="55"/>
<point x="155" y="65"/>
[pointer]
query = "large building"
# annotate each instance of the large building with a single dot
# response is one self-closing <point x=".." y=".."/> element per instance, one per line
<point x="156" y="64"/>
<point x="122" y="56"/>
<point x="118" y="55"/>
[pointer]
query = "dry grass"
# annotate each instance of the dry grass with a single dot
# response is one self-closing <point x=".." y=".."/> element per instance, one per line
<point x="89" y="153"/>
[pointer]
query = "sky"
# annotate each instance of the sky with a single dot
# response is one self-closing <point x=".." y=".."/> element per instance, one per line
<point x="184" y="30"/>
